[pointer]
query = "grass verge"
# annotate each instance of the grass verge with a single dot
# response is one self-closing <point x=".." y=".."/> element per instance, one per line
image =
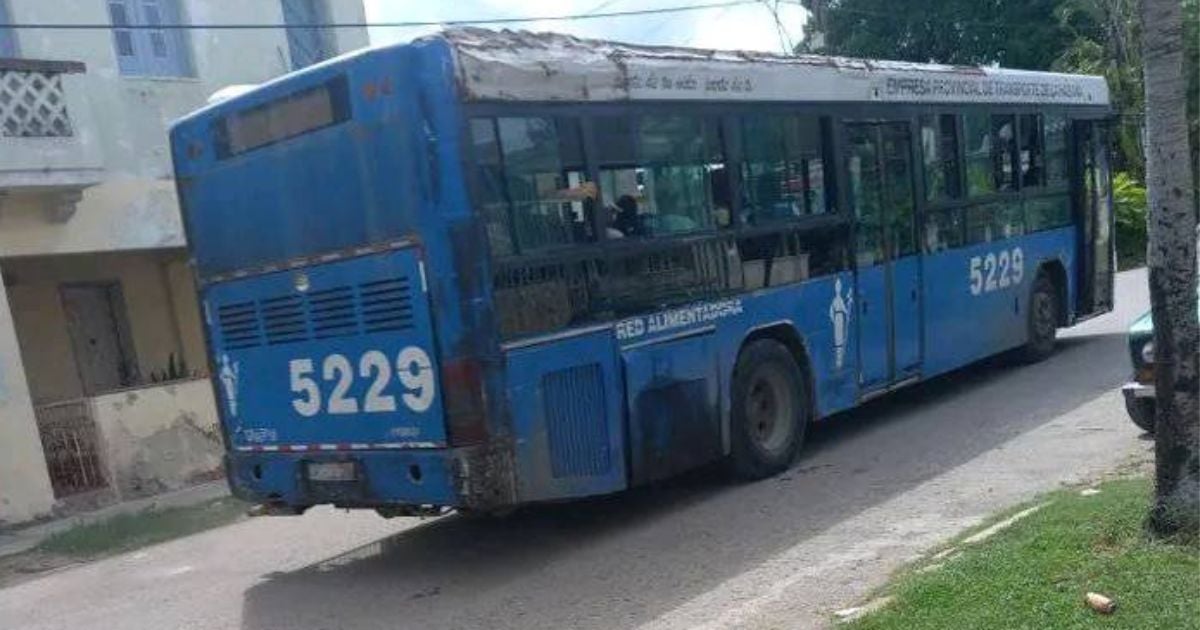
<point x="132" y="531"/>
<point x="1035" y="573"/>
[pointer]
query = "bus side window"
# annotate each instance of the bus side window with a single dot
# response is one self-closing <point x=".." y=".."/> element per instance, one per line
<point x="661" y="174"/>
<point x="1004" y="139"/>
<point x="939" y="150"/>
<point x="943" y="229"/>
<point x="535" y="193"/>
<point x="783" y="175"/>
<point x="489" y="176"/>
<point x="978" y="139"/>
<point x="1031" y="158"/>
<point x="1056" y="149"/>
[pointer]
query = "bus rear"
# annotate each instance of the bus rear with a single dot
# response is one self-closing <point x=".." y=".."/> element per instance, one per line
<point x="318" y="232"/>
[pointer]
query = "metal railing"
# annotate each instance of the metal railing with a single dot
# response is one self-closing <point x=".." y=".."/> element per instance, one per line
<point x="71" y="446"/>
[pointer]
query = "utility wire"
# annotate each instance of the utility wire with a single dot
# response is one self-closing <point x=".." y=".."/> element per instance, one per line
<point x="334" y="25"/>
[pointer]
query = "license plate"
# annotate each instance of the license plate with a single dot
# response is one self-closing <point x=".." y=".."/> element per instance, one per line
<point x="332" y="471"/>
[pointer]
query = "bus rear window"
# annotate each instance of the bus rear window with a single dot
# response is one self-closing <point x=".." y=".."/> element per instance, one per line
<point x="294" y="115"/>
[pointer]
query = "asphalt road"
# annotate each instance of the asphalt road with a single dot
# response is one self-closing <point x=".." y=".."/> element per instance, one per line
<point x="873" y="489"/>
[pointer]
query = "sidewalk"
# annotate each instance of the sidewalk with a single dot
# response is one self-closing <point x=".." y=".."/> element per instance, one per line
<point x="20" y="540"/>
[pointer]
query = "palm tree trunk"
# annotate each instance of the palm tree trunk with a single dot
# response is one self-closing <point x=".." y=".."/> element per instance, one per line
<point x="1172" y="260"/>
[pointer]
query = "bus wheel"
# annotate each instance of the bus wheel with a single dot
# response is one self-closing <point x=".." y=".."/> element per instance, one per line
<point x="1042" y="323"/>
<point x="770" y="410"/>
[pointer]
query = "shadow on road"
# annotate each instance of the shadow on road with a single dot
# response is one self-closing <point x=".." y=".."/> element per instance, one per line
<point x="624" y="560"/>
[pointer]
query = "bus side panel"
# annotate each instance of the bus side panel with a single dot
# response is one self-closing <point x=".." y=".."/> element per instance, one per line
<point x="565" y="401"/>
<point x="673" y="406"/>
<point x="823" y="320"/>
<point x="976" y="296"/>
<point x="460" y="271"/>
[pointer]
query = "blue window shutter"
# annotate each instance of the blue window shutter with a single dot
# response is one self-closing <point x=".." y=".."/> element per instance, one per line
<point x="149" y="51"/>
<point x="306" y="45"/>
<point x="125" y="42"/>
<point x="8" y="37"/>
<point x="166" y="50"/>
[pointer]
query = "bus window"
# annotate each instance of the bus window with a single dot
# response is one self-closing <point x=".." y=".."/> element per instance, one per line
<point x="978" y="138"/>
<point x="980" y="225"/>
<point x="1030" y="151"/>
<point x="783" y="176"/>
<point x="1043" y="213"/>
<point x="898" y="178"/>
<point x="995" y="221"/>
<point x="661" y="175"/>
<point x="943" y="229"/>
<point x="534" y="185"/>
<point x="1004" y="142"/>
<point x="1056" y="149"/>
<point x="865" y="189"/>
<point x="939" y="149"/>
<point x="489" y="174"/>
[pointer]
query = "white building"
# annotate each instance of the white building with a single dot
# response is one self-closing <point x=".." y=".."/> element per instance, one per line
<point x="102" y="393"/>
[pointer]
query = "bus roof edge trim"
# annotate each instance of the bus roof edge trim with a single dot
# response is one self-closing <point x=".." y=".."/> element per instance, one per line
<point x="522" y="66"/>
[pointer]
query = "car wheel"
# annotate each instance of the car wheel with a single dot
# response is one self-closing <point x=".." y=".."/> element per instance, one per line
<point x="770" y="410"/>
<point x="1141" y="411"/>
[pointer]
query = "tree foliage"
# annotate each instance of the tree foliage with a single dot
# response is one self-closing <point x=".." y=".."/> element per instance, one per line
<point x="1106" y="40"/>
<point x="1129" y="199"/>
<point x="1085" y="36"/>
<point x="1016" y="34"/>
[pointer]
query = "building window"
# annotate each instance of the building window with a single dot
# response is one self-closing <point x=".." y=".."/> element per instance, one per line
<point x="144" y="50"/>
<point x="939" y="148"/>
<point x="306" y="43"/>
<point x="783" y="175"/>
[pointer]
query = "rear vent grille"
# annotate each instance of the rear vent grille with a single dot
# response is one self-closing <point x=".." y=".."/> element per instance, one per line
<point x="371" y="307"/>
<point x="283" y="319"/>
<point x="333" y="312"/>
<point x="574" y="408"/>
<point x="239" y="325"/>
<point x="386" y="305"/>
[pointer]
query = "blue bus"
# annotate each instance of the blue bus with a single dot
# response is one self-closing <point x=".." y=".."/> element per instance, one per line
<point x="484" y="269"/>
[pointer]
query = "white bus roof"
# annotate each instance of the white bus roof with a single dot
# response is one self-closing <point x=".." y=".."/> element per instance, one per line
<point x="522" y="66"/>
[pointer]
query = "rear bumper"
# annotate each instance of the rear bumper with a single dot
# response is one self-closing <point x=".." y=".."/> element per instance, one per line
<point x="1134" y="390"/>
<point x="465" y="477"/>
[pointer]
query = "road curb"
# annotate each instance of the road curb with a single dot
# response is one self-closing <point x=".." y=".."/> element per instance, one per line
<point x="20" y="540"/>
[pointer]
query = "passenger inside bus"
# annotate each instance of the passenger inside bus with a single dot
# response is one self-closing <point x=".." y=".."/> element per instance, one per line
<point x="626" y="219"/>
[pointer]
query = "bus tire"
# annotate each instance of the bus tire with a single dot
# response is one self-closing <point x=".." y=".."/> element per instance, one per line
<point x="769" y="413"/>
<point x="1041" y="324"/>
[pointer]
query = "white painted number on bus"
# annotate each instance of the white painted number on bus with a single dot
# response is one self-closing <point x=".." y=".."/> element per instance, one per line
<point x="413" y="369"/>
<point x="997" y="270"/>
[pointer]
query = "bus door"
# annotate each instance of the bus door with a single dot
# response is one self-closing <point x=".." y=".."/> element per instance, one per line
<point x="880" y="172"/>
<point x="1094" y="212"/>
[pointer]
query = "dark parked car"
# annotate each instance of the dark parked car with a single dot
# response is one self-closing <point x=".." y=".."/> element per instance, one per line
<point x="1139" y="393"/>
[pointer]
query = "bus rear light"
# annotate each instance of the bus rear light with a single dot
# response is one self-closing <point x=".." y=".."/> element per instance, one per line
<point x="462" y="397"/>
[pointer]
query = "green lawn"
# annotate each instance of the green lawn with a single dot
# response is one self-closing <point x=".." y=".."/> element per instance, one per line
<point x="131" y="531"/>
<point x="1035" y="573"/>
